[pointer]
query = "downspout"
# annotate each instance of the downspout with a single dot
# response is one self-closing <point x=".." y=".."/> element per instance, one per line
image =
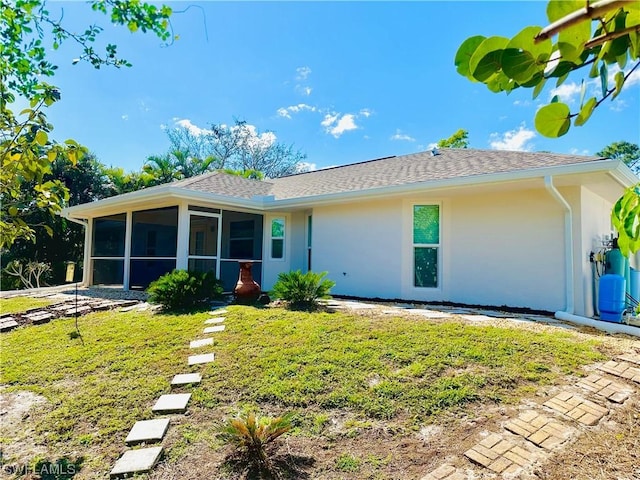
<point x="85" y="260"/>
<point x="568" y="243"/>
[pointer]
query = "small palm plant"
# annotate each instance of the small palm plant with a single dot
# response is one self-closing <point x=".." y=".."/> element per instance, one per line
<point x="251" y="436"/>
<point x="302" y="290"/>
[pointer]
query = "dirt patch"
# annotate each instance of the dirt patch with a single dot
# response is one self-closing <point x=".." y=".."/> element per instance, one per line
<point x="17" y="410"/>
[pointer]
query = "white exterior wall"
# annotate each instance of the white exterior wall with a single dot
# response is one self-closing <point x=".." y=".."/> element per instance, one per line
<point x="595" y="214"/>
<point x="360" y="246"/>
<point x="508" y="249"/>
<point x="271" y="267"/>
<point x="496" y="249"/>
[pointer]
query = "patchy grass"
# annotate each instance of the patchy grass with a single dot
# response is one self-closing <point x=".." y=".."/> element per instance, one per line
<point x="342" y="376"/>
<point x="20" y="304"/>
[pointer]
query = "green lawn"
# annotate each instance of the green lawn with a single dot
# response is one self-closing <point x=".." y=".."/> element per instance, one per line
<point x="20" y="304"/>
<point x="386" y="369"/>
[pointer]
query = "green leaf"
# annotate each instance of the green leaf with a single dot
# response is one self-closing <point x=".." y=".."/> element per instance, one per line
<point x="49" y="230"/>
<point x="619" y="79"/>
<point x="13" y="211"/>
<point x="571" y="40"/>
<point x="538" y="89"/>
<point x="604" y="78"/>
<point x="523" y="58"/>
<point x="553" y="120"/>
<point x="464" y="53"/>
<point x="41" y="138"/>
<point x="485" y="61"/>
<point x="585" y="112"/>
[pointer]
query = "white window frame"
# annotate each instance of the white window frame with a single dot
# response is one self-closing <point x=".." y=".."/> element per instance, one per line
<point x="283" y="238"/>
<point x="196" y="213"/>
<point x="438" y="246"/>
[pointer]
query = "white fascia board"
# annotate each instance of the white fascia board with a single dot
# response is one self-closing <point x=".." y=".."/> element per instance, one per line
<point x="487" y="179"/>
<point x="126" y="200"/>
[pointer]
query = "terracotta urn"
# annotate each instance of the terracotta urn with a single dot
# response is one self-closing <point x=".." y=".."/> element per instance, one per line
<point x="247" y="289"/>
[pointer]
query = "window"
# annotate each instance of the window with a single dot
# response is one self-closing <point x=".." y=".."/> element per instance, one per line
<point x="426" y="245"/>
<point x="277" y="238"/>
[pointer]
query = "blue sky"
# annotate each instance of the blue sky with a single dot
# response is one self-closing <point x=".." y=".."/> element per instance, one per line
<point x="342" y="81"/>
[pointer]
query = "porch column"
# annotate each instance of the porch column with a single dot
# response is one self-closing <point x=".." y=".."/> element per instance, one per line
<point x="87" y="267"/>
<point x="182" y="248"/>
<point x="127" y="251"/>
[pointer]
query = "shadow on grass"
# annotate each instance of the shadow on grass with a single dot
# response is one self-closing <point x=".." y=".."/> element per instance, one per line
<point x="283" y="467"/>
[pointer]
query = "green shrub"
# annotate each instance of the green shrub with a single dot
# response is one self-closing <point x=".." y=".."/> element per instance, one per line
<point x="302" y="290"/>
<point x="251" y="436"/>
<point x="180" y="289"/>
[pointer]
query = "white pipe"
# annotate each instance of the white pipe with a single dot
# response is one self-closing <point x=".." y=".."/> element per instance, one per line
<point x="599" y="324"/>
<point x="568" y="243"/>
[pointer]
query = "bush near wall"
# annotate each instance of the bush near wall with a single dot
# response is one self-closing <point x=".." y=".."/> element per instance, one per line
<point x="302" y="290"/>
<point x="182" y="290"/>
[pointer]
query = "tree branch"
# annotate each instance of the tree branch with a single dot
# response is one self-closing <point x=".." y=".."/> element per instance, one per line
<point x="594" y="42"/>
<point x="588" y="12"/>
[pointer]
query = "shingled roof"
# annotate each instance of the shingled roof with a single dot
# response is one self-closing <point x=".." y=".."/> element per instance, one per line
<point x="383" y="172"/>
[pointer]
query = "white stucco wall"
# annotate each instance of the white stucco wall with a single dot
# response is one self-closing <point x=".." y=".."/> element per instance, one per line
<point x="496" y="249"/>
<point x="360" y="245"/>
<point x="595" y="225"/>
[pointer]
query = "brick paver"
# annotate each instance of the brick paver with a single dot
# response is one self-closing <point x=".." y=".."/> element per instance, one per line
<point x="500" y="455"/>
<point x="445" y="472"/>
<point x="624" y="370"/>
<point x="630" y="358"/>
<point x="540" y="430"/>
<point x="613" y="391"/>
<point x="577" y="408"/>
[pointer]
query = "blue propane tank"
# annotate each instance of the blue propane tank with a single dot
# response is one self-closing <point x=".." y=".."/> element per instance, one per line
<point x="612" y="297"/>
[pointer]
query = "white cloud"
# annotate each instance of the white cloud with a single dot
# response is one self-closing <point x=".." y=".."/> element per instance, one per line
<point x="431" y="146"/>
<point x="336" y="125"/>
<point x="567" y="92"/>
<point x="124" y="117"/>
<point x="402" y="136"/>
<point x="193" y="129"/>
<point x="302" y="73"/>
<point x="514" y="140"/>
<point x="287" y="111"/>
<point x="365" y="112"/>
<point x="618" y="104"/>
<point x="633" y="79"/>
<point x="304" y="90"/>
<point x="264" y="140"/>
<point x="306" y="167"/>
<point x="522" y="103"/>
<point x="577" y="151"/>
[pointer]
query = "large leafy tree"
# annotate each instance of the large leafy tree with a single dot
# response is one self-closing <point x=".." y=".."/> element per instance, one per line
<point x="460" y="139"/>
<point x="597" y="40"/>
<point x="628" y="152"/>
<point x="27" y="150"/>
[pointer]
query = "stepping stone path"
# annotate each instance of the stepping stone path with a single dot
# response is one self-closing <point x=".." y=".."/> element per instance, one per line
<point x="603" y="387"/>
<point x="623" y="369"/>
<point x="201" y="343"/>
<point x="147" y="431"/>
<point x="501" y="455"/>
<point x="445" y="472"/>
<point x="7" y="324"/>
<point x="172" y="403"/>
<point x="186" y="379"/>
<point x="143" y="460"/>
<point x="136" y="461"/>
<point x="535" y="434"/>
<point x="199" y="359"/>
<point x="576" y="407"/>
<point x="217" y="328"/>
<point x="214" y="320"/>
<point x="540" y="430"/>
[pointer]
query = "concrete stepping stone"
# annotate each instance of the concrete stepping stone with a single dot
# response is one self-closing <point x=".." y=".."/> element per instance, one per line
<point x="540" y="430"/>
<point x="147" y="431"/>
<point x="217" y="328"/>
<point x="445" y="472"/>
<point x="172" y="403"/>
<point x="7" y="324"/>
<point x="603" y="387"/>
<point x="431" y="313"/>
<point x="186" y="379"/>
<point x="214" y="320"/>
<point x="218" y="312"/>
<point x="581" y="410"/>
<point x="136" y="461"/>
<point x="199" y="359"/>
<point x="201" y="343"/>
<point x="624" y="370"/>
<point x="501" y="456"/>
